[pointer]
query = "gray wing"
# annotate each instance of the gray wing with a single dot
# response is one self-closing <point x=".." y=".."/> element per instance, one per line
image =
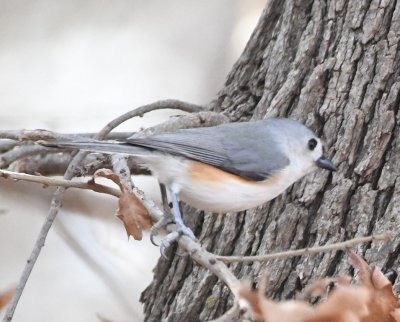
<point x="235" y="148"/>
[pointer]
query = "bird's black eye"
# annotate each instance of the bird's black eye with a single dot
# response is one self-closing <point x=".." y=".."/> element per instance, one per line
<point x="312" y="143"/>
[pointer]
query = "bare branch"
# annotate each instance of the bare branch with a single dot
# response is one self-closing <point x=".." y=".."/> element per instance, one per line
<point x="29" y="135"/>
<point x="14" y="137"/>
<point x="55" y="206"/>
<point x="211" y="262"/>
<point x="120" y="166"/>
<point x="140" y="111"/>
<point x="201" y="119"/>
<point x="306" y="251"/>
<point x="89" y="185"/>
<point x="57" y="163"/>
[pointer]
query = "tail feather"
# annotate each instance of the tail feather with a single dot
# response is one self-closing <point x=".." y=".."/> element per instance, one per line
<point x="97" y="146"/>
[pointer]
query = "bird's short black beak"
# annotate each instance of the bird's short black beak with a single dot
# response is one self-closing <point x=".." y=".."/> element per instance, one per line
<point x="325" y="163"/>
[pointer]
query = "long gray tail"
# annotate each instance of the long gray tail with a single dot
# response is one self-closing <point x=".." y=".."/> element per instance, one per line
<point x="97" y="146"/>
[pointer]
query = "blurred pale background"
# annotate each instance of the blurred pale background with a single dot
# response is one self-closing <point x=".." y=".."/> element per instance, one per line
<point x="72" y="66"/>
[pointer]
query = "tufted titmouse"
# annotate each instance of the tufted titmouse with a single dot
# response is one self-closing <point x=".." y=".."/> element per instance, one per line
<point x="226" y="168"/>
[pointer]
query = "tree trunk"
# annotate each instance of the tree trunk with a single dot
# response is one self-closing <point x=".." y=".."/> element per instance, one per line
<point x="333" y="65"/>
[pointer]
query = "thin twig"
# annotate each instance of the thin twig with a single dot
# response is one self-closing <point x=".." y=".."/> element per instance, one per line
<point x="193" y="120"/>
<point x="210" y="261"/>
<point x="305" y="251"/>
<point x="55" y="205"/>
<point x="28" y="135"/>
<point x="69" y="174"/>
<point x="120" y="167"/>
<point x="36" y="135"/>
<point x="140" y="111"/>
<point x="46" y="181"/>
<point x="57" y="163"/>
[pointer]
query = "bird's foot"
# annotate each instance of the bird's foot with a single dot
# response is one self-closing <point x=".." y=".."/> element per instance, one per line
<point x="185" y="231"/>
<point x="158" y="226"/>
<point x="180" y="230"/>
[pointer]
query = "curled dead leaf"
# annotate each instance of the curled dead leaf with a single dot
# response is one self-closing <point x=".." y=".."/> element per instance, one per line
<point x="344" y="304"/>
<point x="372" y="301"/>
<point x="290" y="311"/>
<point x="384" y="304"/>
<point x="131" y="211"/>
<point x="133" y="214"/>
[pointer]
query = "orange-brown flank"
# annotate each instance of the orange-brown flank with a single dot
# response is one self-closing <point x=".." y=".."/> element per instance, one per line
<point x="203" y="172"/>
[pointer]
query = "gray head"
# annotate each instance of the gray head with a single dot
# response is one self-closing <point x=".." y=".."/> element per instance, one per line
<point x="303" y="148"/>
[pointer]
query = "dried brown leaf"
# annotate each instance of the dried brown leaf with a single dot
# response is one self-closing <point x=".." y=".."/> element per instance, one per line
<point x="383" y="301"/>
<point x="131" y="211"/>
<point x="289" y="311"/>
<point x="344" y="304"/>
<point x="252" y="297"/>
<point x="134" y="215"/>
<point x="109" y="174"/>
<point x="372" y="301"/>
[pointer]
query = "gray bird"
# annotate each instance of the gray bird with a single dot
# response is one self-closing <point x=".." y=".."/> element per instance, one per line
<point x="226" y="168"/>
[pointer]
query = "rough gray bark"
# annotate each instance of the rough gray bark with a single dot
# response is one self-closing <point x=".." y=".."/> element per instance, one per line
<point x="335" y="66"/>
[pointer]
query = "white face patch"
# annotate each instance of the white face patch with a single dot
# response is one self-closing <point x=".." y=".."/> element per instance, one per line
<point x="302" y="158"/>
